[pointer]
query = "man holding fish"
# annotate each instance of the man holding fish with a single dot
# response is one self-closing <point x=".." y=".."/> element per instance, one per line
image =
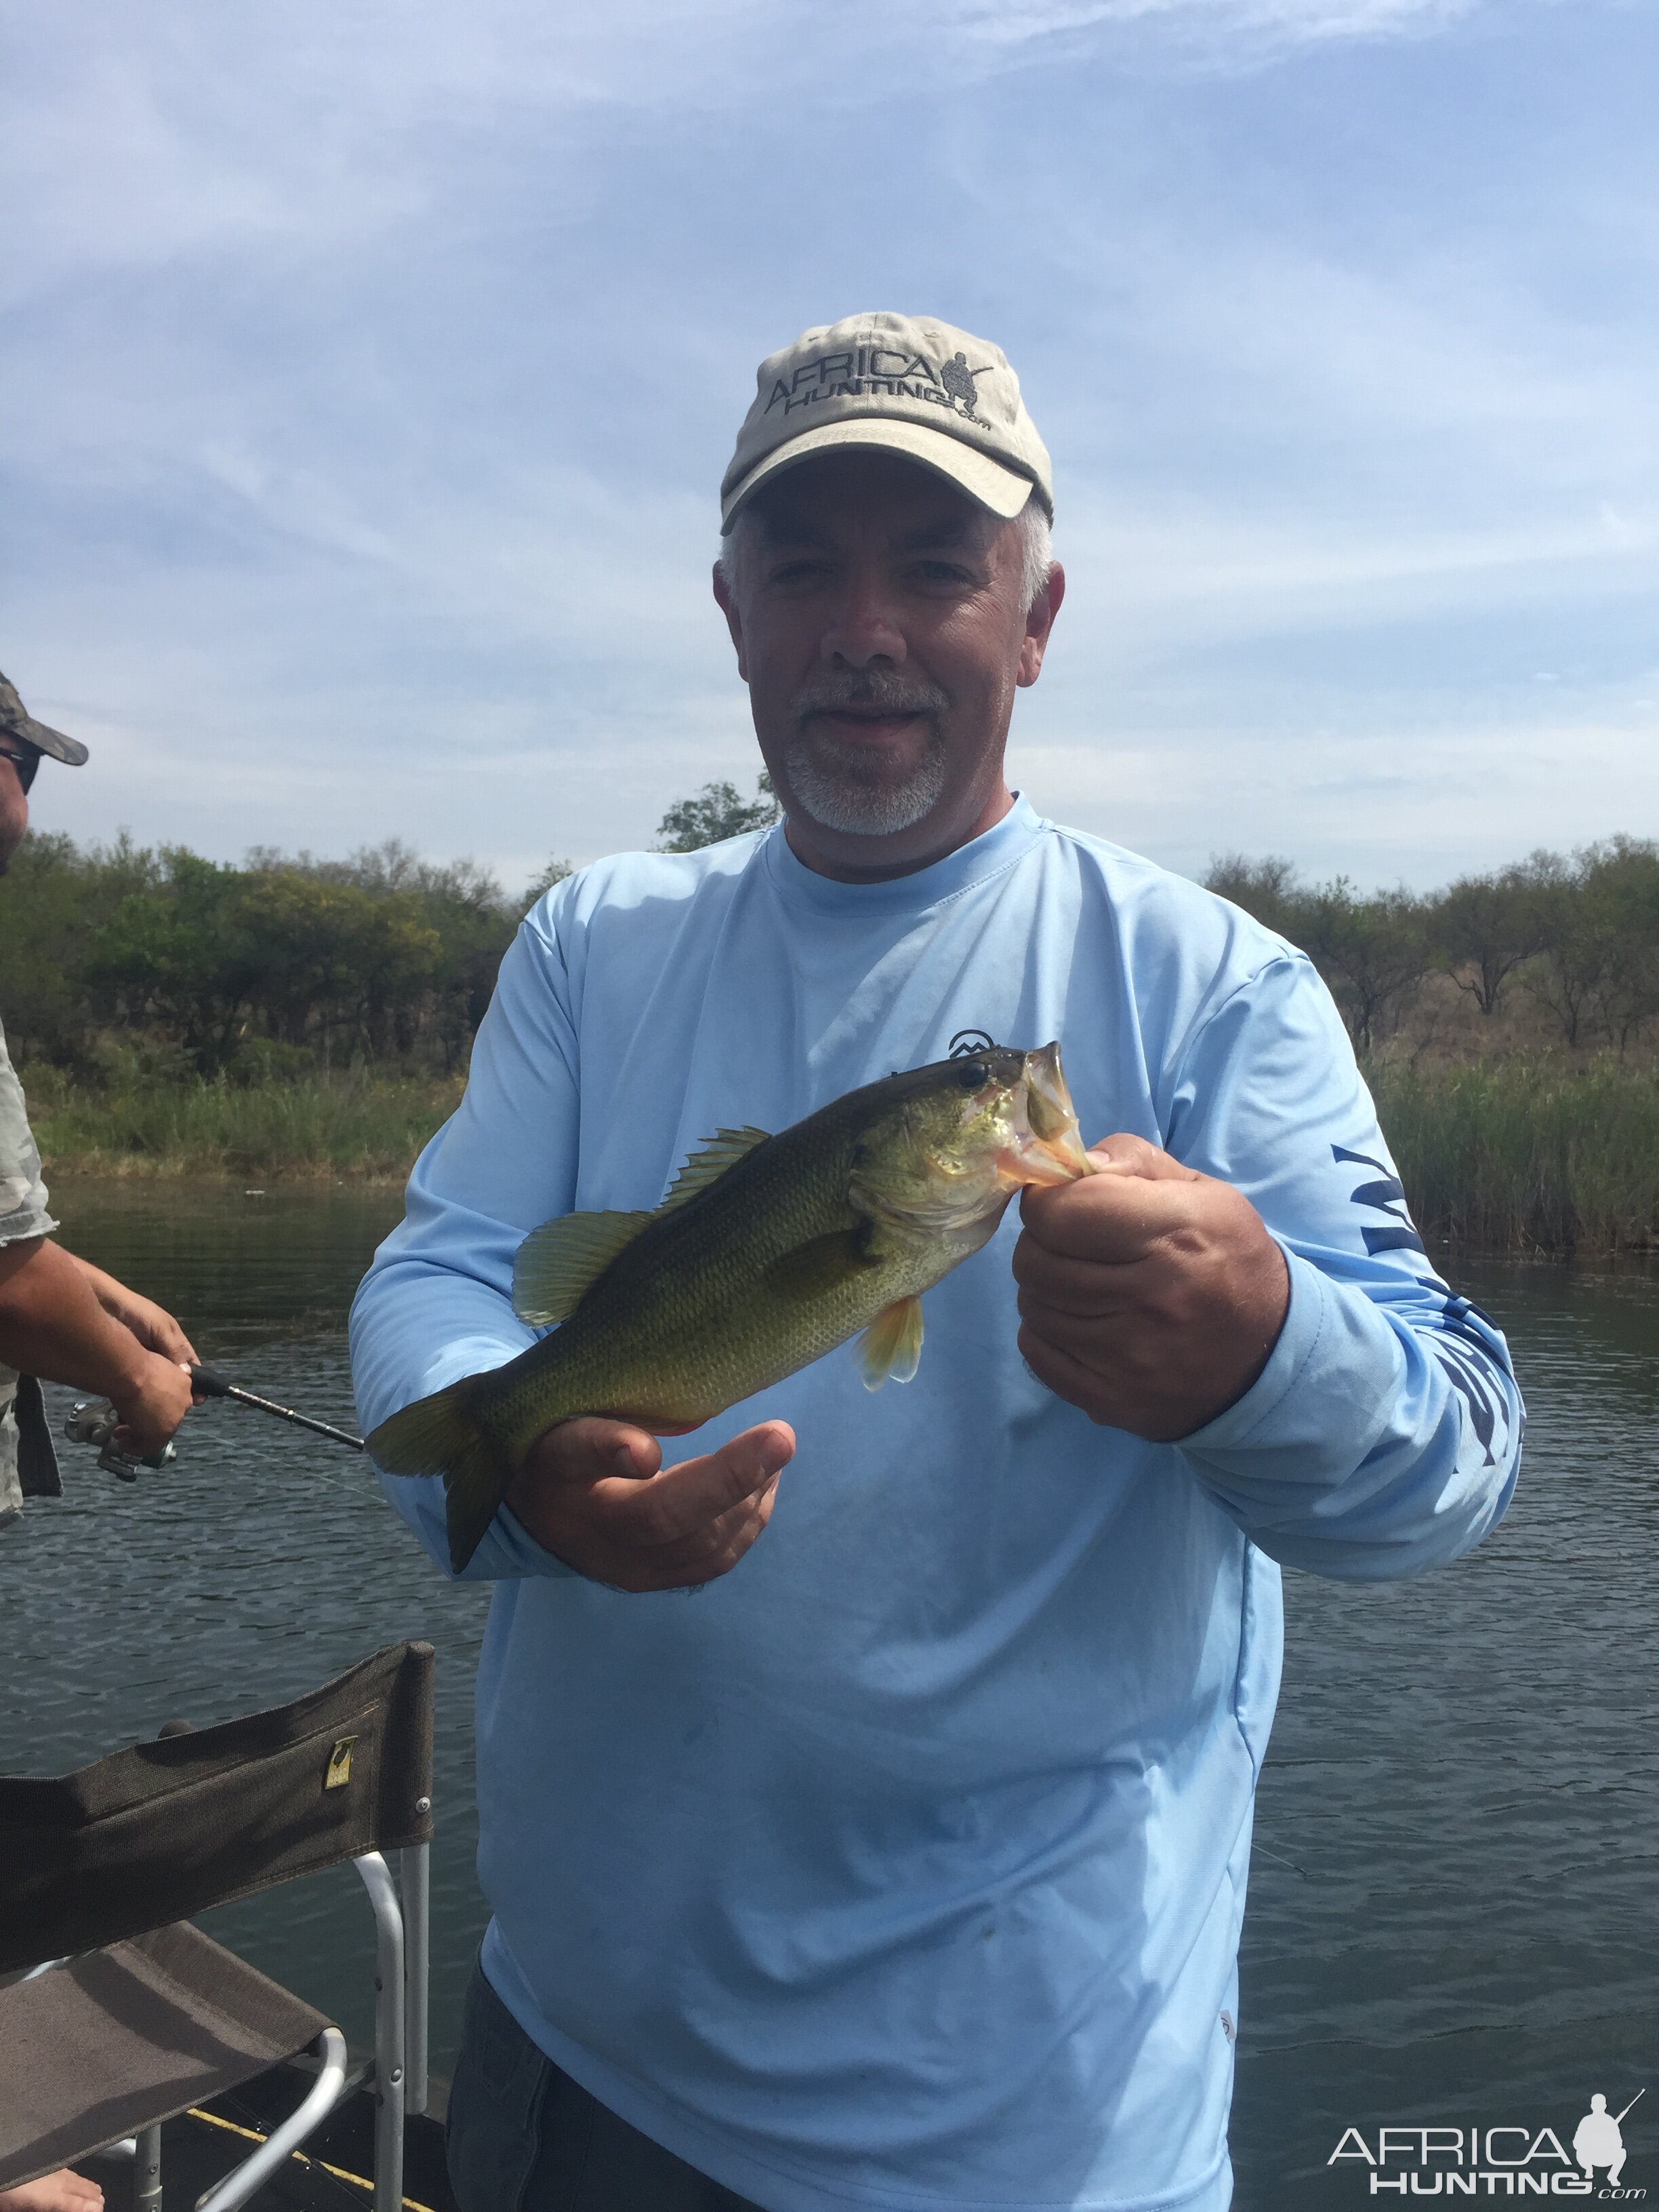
<point x="906" y="1866"/>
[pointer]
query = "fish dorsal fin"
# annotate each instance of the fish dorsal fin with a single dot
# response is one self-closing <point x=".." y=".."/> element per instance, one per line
<point x="558" y="1261"/>
<point x="723" y="1150"/>
<point x="890" y="1348"/>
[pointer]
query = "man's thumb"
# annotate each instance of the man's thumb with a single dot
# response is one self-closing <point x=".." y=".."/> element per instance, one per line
<point x="1123" y="1154"/>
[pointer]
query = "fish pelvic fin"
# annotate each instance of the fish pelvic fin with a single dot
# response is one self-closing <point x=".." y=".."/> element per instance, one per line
<point x="439" y="1436"/>
<point x="890" y="1348"/>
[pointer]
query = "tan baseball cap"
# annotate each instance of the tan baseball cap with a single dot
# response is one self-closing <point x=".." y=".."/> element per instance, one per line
<point x="904" y="384"/>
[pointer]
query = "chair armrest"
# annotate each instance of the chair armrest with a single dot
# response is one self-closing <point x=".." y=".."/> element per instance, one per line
<point x="318" y="2102"/>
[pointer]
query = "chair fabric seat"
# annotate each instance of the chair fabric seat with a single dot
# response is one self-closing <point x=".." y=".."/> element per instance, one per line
<point x="159" y="2023"/>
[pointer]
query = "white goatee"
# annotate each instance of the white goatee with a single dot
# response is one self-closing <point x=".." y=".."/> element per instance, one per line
<point x="850" y="787"/>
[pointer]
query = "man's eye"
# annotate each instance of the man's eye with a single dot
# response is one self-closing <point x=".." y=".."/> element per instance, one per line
<point x="796" y="572"/>
<point x="942" y="571"/>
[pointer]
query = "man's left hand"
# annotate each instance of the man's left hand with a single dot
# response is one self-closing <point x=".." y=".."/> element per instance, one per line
<point x="1149" y="1295"/>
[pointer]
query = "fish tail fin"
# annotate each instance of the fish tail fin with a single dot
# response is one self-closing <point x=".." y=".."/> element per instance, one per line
<point x="440" y="1435"/>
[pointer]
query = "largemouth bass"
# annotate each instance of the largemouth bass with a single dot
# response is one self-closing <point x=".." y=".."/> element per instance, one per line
<point x="767" y="1252"/>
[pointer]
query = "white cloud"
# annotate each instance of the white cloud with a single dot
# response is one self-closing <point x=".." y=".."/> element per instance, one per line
<point x="1397" y="795"/>
<point x="1285" y="23"/>
<point x="368" y="372"/>
<point x="138" y="135"/>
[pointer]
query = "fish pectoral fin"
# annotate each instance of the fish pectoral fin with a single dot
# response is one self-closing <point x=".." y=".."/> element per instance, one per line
<point x="558" y="1262"/>
<point x="890" y="1348"/>
<point x="823" y="1265"/>
<point x="723" y="1150"/>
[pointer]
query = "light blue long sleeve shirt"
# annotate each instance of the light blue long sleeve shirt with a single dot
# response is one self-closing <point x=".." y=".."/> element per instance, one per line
<point x="903" y="1866"/>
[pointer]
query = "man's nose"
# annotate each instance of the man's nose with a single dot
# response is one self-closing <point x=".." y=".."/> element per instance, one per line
<point x="865" y="627"/>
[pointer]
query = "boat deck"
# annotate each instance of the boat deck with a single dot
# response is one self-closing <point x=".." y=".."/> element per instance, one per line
<point x="329" y="2175"/>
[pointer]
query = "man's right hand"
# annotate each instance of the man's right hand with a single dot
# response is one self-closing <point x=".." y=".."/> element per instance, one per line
<point x="151" y="1406"/>
<point x="596" y="1494"/>
<point x="54" y="1323"/>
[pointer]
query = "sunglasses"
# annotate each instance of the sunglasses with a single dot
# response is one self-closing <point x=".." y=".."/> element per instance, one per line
<point x="23" y="757"/>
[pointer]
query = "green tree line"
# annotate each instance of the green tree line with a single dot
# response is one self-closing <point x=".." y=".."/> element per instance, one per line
<point x="1567" y="946"/>
<point x="123" y="958"/>
<point x="124" y="962"/>
<point x="127" y="960"/>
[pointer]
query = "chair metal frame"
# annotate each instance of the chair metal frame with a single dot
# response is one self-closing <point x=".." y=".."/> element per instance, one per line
<point x="398" y="2072"/>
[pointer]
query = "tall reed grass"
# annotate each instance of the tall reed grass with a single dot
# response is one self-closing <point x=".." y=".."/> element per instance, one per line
<point x="1539" y="1155"/>
<point x="312" y="1126"/>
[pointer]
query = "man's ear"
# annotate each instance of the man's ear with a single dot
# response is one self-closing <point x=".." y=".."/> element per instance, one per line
<point x="728" y="604"/>
<point x="1039" y="621"/>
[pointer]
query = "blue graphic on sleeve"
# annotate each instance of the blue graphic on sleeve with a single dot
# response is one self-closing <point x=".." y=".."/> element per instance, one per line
<point x="1471" y="1384"/>
<point x="1472" y="1364"/>
<point x="1386" y="1196"/>
<point x="1467" y="1343"/>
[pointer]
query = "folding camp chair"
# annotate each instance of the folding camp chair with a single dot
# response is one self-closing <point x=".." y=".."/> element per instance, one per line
<point x="130" y="2015"/>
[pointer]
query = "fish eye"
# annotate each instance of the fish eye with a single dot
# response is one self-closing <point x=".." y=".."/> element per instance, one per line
<point x="973" y="1075"/>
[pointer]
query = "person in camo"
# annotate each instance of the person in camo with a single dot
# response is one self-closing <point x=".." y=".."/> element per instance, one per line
<point x="904" y="1869"/>
<point x="61" y="1318"/>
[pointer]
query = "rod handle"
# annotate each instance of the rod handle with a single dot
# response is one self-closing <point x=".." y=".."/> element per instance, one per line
<point x="210" y="1383"/>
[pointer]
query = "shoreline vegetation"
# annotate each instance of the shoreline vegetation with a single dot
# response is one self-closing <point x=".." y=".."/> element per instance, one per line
<point x="305" y="1021"/>
<point x="350" y="1128"/>
<point x="1532" y="1156"/>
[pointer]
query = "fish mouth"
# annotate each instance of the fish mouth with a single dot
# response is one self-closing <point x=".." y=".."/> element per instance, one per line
<point x="1049" y="1150"/>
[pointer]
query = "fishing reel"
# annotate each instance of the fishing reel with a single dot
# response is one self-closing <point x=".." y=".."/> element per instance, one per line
<point x="94" y="1421"/>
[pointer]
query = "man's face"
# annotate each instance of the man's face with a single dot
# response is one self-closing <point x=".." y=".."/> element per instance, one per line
<point x="880" y="622"/>
<point x="13" y="812"/>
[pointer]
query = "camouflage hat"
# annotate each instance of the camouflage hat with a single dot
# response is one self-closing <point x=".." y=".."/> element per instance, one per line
<point x="903" y="384"/>
<point x="16" y="722"/>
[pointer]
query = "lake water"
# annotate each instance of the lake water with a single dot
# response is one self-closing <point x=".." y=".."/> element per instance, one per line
<point x="1452" y="1913"/>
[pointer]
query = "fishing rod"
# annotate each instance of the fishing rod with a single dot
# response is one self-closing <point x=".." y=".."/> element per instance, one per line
<point x="212" y="1384"/>
<point x="94" y="1421"/>
<point x="1635" y="2099"/>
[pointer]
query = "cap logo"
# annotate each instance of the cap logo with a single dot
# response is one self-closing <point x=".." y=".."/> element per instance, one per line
<point x="876" y="371"/>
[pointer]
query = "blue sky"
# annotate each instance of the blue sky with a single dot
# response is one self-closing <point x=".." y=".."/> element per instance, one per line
<point x="368" y="371"/>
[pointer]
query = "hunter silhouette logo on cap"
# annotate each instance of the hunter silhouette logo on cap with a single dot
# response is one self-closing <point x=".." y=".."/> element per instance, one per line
<point x="958" y="380"/>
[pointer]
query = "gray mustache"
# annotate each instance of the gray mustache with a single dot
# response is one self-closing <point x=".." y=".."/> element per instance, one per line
<point x="894" y="694"/>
